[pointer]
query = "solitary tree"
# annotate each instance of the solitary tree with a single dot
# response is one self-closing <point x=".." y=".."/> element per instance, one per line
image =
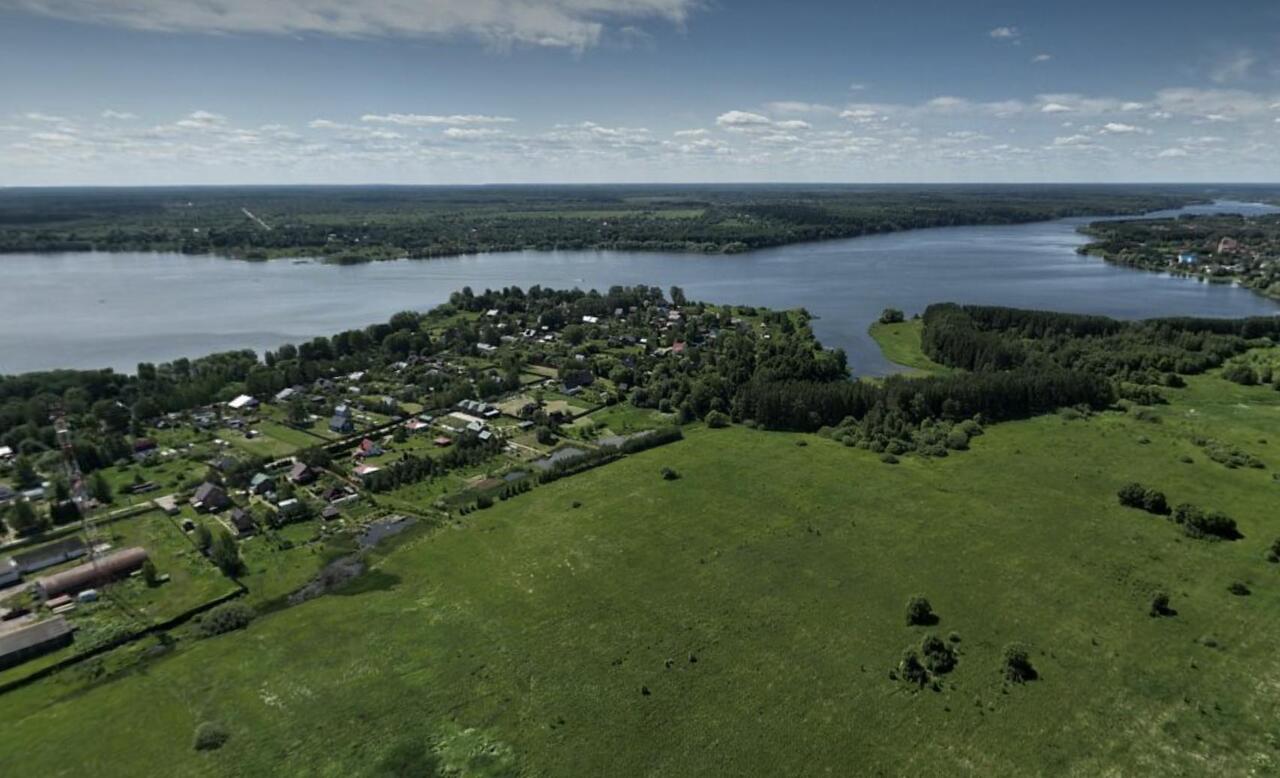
<point x="920" y="611"/>
<point x="1017" y="664"/>
<point x="226" y="554"/>
<point x="100" y="489"/>
<point x="203" y="538"/>
<point x="24" y="520"/>
<point x="149" y="573"/>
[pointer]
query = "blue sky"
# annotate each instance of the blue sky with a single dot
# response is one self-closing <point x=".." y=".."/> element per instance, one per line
<point x="483" y="91"/>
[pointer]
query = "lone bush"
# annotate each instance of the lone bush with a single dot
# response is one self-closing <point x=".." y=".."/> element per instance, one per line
<point x="1160" y="605"/>
<point x="1239" y="589"/>
<point x="1016" y="664"/>
<point x="1273" y="553"/>
<point x="717" y="420"/>
<point x="891" y="316"/>
<point x="227" y="617"/>
<point x="669" y="475"/>
<point x="920" y="612"/>
<point x="210" y="736"/>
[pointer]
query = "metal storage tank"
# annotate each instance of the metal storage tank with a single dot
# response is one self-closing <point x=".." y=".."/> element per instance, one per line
<point x="83" y="576"/>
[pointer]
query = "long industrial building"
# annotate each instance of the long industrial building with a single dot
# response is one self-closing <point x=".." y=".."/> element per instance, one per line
<point x="19" y="645"/>
<point x="90" y="574"/>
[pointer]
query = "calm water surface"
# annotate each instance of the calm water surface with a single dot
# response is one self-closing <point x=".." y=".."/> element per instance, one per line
<point x="115" y="310"/>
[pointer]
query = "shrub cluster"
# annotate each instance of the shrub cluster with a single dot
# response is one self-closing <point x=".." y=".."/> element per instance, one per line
<point x="227" y="617"/>
<point x="1212" y="525"/>
<point x="1135" y="495"/>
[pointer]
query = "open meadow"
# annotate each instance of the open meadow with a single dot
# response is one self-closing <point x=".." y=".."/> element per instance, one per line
<point x="746" y="617"/>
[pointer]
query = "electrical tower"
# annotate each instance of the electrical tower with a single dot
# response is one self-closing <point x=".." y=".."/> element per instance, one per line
<point x="78" y="490"/>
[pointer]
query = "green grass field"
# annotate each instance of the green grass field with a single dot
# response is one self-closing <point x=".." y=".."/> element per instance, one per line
<point x="759" y="600"/>
<point x="900" y="342"/>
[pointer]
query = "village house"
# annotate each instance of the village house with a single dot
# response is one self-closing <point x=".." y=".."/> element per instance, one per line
<point x="241" y="522"/>
<point x="243" y="403"/>
<point x="261" y="484"/>
<point x="300" y="474"/>
<point x="210" y="498"/>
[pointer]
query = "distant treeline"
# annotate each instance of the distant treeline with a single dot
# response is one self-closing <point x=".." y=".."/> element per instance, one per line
<point x="355" y="224"/>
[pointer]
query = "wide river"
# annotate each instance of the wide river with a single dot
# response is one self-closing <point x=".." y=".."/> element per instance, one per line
<point x="89" y="310"/>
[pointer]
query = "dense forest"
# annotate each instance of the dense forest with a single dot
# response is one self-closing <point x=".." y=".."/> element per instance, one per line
<point x="356" y="224"/>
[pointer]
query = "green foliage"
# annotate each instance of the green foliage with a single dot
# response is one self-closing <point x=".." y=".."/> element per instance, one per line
<point x="891" y="316"/>
<point x="939" y="657"/>
<point x="1015" y="664"/>
<point x="202" y="537"/>
<point x="717" y="420"/>
<point x="210" y="736"/>
<point x="669" y="475"/>
<point x="1198" y="523"/>
<point x="225" y="553"/>
<point x="920" y="612"/>
<point x="1160" y="604"/>
<point x="1135" y="495"/>
<point x="149" y="573"/>
<point x="227" y="617"/>
<point x="911" y="669"/>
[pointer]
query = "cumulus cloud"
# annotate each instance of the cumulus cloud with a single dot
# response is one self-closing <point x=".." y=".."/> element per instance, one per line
<point x="746" y="121"/>
<point x="556" y="23"/>
<point x="471" y="133"/>
<point x="1055" y="108"/>
<point x="1120" y="128"/>
<point x="1005" y="33"/>
<point x="1041" y="58"/>
<point x="429" y="120"/>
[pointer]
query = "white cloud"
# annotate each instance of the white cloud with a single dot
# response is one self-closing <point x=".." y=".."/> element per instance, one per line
<point x="556" y="23"/>
<point x="733" y="119"/>
<point x="857" y="86"/>
<point x="1172" y="152"/>
<point x="1071" y="140"/>
<point x="695" y="133"/>
<point x="201" y="120"/>
<point x="1132" y="106"/>
<point x="1005" y="33"/>
<point x="746" y="121"/>
<point x="122" y="116"/>
<point x="1041" y="58"/>
<point x="797" y="106"/>
<point x="1054" y="108"/>
<point x="1119" y="128"/>
<point x="429" y="120"/>
<point x="472" y="133"/>
<point x="36" y="116"/>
